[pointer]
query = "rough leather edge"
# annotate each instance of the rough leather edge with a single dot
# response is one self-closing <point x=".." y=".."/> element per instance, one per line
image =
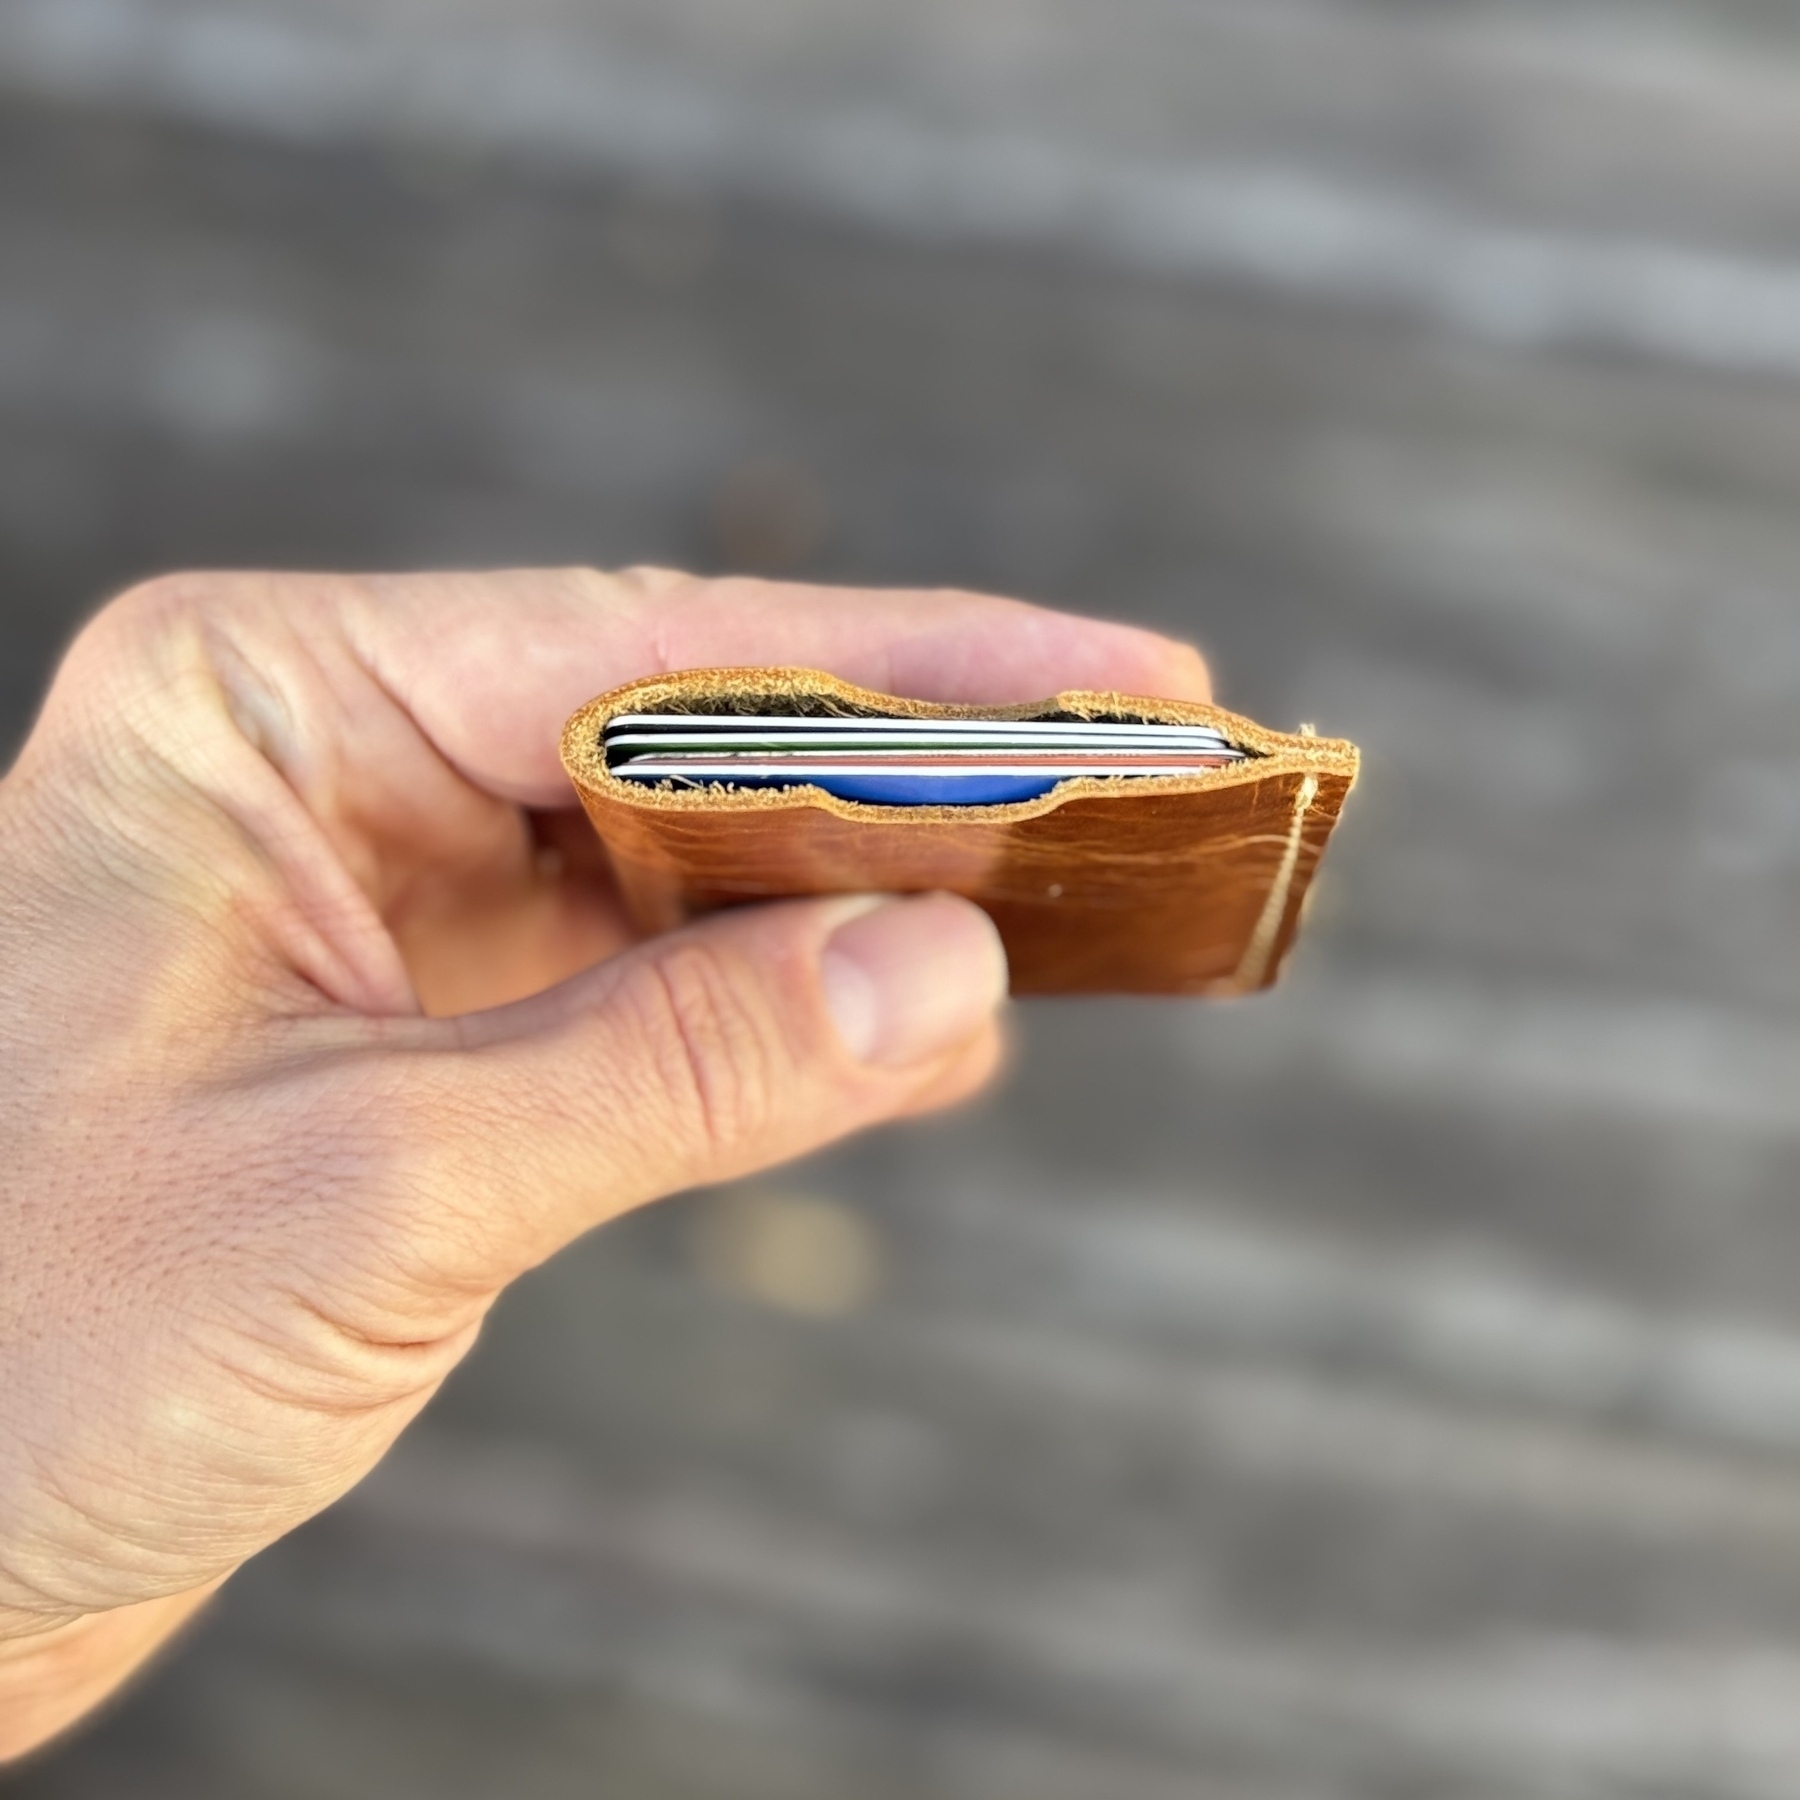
<point x="692" y="690"/>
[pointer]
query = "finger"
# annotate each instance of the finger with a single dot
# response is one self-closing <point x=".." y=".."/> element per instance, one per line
<point x="748" y="1039"/>
<point x="978" y="1064"/>
<point x="491" y="665"/>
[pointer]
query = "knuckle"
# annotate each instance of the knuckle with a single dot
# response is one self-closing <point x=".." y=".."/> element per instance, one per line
<point x="650" y="577"/>
<point x="178" y="590"/>
<point x="467" y="1181"/>
<point x="714" y="1048"/>
<point x="141" y="645"/>
<point x="149" y="610"/>
<point x="126" y="672"/>
<point x="644" y="584"/>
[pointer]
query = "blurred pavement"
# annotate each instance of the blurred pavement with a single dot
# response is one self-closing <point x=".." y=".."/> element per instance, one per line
<point x="1390" y="1388"/>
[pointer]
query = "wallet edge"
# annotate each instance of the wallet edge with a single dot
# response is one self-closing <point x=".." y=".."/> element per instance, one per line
<point x="584" y="759"/>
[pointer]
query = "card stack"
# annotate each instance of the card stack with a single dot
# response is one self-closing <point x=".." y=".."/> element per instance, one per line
<point x="903" y="761"/>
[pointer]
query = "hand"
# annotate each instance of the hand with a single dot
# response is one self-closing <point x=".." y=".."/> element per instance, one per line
<point x="319" y="1024"/>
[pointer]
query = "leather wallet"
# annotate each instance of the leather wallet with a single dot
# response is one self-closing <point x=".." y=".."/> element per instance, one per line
<point x="1183" y="884"/>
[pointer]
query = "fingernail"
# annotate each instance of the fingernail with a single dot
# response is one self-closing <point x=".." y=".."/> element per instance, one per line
<point x="908" y="980"/>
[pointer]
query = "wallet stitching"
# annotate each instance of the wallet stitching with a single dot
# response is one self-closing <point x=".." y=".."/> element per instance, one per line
<point x="1253" y="966"/>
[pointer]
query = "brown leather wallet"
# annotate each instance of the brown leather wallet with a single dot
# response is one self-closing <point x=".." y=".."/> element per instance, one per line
<point x="1178" y="884"/>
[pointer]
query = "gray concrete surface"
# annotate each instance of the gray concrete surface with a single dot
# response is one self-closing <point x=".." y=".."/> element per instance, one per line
<point x="1388" y="1389"/>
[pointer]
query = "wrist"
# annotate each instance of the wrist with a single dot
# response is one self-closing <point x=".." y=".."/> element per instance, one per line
<point x="50" y="1678"/>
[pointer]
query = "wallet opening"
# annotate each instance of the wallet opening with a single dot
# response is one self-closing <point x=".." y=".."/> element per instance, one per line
<point x="879" y="755"/>
<point x="804" y="694"/>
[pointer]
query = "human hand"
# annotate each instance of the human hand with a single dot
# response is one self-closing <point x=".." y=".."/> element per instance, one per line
<point x="319" y="1024"/>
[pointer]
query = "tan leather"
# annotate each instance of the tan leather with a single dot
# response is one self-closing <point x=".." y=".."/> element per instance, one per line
<point x="1189" y="884"/>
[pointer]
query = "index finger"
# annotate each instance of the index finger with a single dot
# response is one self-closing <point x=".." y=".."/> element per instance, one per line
<point x="490" y="665"/>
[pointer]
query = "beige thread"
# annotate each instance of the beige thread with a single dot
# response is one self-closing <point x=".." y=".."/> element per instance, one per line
<point x="1254" y="966"/>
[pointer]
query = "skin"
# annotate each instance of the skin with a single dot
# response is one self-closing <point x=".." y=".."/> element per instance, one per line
<point x="320" y="1024"/>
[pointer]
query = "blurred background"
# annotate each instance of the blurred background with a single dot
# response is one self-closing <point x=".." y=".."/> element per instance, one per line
<point x="1386" y="1390"/>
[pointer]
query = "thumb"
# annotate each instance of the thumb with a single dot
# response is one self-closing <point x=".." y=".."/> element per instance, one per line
<point x="752" y="1037"/>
